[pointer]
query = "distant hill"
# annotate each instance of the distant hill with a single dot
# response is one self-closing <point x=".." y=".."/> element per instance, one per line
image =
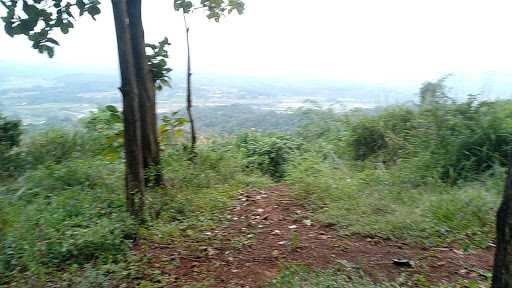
<point x="42" y="94"/>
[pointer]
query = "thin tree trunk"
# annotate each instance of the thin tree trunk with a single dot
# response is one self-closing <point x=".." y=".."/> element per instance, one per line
<point x="134" y="174"/>
<point x="147" y="102"/>
<point x="502" y="272"/>
<point x="193" y="135"/>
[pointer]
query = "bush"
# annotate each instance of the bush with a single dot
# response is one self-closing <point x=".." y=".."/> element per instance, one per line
<point x="62" y="214"/>
<point x="381" y="137"/>
<point x="366" y="138"/>
<point x="56" y="146"/>
<point x="10" y="133"/>
<point x="84" y="175"/>
<point x="269" y="154"/>
<point x="451" y="142"/>
<point x="463" y="140"/>
<point x="60" y="210"/>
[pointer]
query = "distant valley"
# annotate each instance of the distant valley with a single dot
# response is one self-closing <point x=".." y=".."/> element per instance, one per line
<point x="52" y="97"/>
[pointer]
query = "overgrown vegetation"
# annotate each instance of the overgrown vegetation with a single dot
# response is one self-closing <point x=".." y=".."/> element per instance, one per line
<point x="10" y="133"/>
<point x="298" y="276"/>
<point x="268" y="153"/>
<point x="63" y="218"/>
<point x="429" y="174"/>
<point x="347" y="275"/>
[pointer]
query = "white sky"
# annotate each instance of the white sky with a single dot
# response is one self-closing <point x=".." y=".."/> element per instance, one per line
<point x="353" y="40"/>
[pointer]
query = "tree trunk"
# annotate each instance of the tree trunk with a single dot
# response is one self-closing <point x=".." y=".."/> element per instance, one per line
<point x="193" y="135"/>
<point x="502" y="273"/>
<point x="147" y="101"/>
<point x="134" y="174"/>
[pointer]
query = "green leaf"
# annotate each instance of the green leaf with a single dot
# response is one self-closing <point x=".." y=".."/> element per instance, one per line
<point x="31" y="10"/>
<point x="25" y="26"/>
<point x="80" y="4"/>
<point x="179" y="133"/>
<point x="93" y="11"/>
<point x="9" y="30"/>
<point x="184" y="5"/>
<point x="53" y="41"/>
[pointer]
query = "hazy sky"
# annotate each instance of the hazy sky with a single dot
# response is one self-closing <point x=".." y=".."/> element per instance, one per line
<point x="354" y="40"/>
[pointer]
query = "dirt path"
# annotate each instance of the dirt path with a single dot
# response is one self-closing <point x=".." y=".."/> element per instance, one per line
<point x="268" y="228"/>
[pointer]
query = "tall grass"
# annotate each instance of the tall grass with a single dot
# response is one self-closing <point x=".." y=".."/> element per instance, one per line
<point x="427" y="174"/>
<point x="63" y="219"/>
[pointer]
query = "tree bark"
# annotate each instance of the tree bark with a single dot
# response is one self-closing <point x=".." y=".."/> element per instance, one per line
<point x="193" y="135"/>
<point x="147" y="101"/>
<point x="502" y="272"/>
<point x="134" y="174"/>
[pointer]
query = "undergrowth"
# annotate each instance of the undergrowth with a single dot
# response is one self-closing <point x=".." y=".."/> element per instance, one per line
<point x="430" y="174"/>
<point x="376" y="202"/>
<point x="299" y="276"/>
<point x="63" y="220"/>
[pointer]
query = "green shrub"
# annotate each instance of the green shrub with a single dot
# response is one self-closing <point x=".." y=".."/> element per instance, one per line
<point x="451" y="142"/>
<point x="57" y="146"/>
<point x="10" y="133"/>
<point x="383" y="136"/>
<point x="72" y="228"/>
<point x="268" y="153"/>
<point x="107" y="123"/>
<point x="64" y="214"/>
<point x="464" y="140"/>
<point x="366" y="138"/>
<point x="85" y="175"/>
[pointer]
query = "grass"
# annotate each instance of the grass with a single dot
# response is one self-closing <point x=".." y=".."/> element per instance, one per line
<point x="63" y="221"/>
<point x="299" y="276"/>
<point x="201" y="192"/>
<point x="381" y="202"/>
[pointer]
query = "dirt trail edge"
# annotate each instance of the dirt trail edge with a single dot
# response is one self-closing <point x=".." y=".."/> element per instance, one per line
<point x="268" y="228"/>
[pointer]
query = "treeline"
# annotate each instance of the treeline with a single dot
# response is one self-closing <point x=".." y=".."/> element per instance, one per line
<point x="231" y="119"/>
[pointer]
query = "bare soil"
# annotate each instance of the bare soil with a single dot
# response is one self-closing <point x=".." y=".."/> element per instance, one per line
<point x="268" y="228"/>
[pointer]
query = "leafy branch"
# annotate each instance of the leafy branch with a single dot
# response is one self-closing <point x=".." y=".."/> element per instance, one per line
<point x="157" y="59"/>
<point x="38" y="19"/>
<point x="216" y="9"/>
